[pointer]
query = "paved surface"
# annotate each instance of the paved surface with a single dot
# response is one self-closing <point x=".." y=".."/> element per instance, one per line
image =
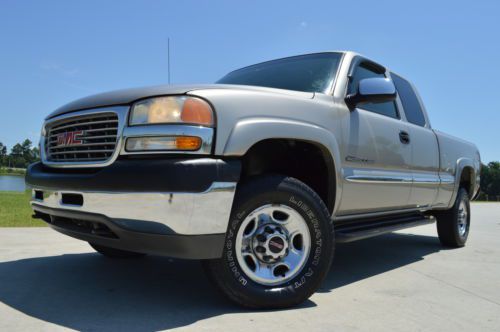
<point x="404" y="281"/>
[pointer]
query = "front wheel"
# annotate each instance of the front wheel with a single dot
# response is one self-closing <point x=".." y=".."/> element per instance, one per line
<point x="279" y="244"/>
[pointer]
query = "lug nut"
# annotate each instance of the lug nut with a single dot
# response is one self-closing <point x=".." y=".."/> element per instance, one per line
<point x="260" y="249"/>
<point x="261" y="238"/>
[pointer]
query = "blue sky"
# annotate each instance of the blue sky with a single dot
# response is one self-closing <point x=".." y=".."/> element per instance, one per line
<point x="52" y="52"/>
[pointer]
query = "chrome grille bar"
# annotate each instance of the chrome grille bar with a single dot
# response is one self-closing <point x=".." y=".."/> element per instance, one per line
<point x="83" y="124"/>
<point x="79" y="152"/>
<point x="53" y="148"/>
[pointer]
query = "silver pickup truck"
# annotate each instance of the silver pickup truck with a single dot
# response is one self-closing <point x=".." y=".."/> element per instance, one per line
<point x="258" y="175"/>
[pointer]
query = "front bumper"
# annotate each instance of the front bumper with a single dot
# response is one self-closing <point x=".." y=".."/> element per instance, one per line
<point x="173" y="207"/>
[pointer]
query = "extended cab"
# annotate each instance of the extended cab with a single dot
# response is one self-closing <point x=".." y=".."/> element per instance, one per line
<point x="258" y="175"/>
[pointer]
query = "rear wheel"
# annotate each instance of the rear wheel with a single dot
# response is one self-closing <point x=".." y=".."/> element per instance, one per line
<point x="279" y="244"/>
<point x="115" y="253"/>
<point x="453" y="225"/>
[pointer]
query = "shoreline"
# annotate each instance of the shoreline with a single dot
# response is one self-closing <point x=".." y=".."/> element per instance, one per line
<point x="13" y="171"/>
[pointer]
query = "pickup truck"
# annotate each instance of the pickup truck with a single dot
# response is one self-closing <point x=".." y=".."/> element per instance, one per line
<point x="258" y="176"/>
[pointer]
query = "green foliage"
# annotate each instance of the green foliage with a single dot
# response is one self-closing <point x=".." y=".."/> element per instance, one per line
<point x="490" y="181"/>
<point x="21" y="155"/>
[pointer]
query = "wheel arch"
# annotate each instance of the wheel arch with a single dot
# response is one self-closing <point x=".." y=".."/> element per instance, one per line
<point x="465" y="177"/>
<point x="250" y="134"/>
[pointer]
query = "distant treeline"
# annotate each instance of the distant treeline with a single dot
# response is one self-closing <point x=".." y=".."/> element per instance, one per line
<point x="490" y="182"/>
<point x="20" y="156"/>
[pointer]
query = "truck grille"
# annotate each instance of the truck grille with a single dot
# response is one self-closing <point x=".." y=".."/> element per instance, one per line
<point x="81" y="139"/>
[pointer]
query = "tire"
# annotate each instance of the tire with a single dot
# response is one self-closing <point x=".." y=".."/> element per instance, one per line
<point x="290" y="276"/>
<point x="115" y="253"/>
<point x="453" y="225"/>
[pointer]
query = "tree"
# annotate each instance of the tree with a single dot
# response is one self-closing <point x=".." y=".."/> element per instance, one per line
<point x="3" y="154"/>
<point x="36" y="153"/>
<point x="3" y="150"/>
<point x="490" y="179"/>
<point x="21" y="155"/>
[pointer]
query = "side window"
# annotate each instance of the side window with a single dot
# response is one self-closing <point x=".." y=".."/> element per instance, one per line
<point x="409" y="99"/>
<point x="387" y="108"/>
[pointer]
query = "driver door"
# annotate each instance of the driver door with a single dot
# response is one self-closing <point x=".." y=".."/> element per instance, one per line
<point x="376" y="171"/>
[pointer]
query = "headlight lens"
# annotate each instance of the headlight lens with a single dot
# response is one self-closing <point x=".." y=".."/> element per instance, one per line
<point x="172" y="109"/>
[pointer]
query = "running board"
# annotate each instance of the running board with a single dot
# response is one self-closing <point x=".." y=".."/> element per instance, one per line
<point x="358" y="230"/>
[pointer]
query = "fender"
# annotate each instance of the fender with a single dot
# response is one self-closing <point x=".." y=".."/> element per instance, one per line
<point x="250" y="131"/>
<point x="461" y="164"/>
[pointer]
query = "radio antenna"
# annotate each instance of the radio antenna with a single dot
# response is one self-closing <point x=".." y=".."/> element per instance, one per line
<point x="168" y="59"/>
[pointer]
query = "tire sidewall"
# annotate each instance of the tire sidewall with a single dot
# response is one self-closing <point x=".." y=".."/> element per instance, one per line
<point x="311" y="275"/>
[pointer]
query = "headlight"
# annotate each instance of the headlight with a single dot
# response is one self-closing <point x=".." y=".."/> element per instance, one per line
<point x="173" y="109"/>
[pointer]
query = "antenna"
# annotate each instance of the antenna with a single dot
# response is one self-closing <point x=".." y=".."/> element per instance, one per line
<point x="168" y="59"/>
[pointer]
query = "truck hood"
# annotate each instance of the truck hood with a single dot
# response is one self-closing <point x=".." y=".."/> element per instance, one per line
<point x="128" y="96"/>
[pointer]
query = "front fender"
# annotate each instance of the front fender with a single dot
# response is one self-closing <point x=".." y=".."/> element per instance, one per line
<point x="250" y="131"/>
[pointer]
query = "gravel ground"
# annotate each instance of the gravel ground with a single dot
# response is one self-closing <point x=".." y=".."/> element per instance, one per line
<point x="403" y="281"/>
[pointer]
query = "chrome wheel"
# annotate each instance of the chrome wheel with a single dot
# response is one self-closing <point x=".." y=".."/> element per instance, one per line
<point x="273" y="244"/>
<point x="462" y="219"/>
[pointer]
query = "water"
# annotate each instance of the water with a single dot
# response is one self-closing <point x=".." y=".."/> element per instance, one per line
<point x="12" y="183"/>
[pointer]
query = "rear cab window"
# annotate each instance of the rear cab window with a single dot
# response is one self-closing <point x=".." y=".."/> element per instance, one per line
<point x="409" y="100"/>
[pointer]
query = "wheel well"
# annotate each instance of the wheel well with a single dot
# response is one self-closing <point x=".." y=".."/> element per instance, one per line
<point x="467" y="179"/>
<point x="309" y="162"/>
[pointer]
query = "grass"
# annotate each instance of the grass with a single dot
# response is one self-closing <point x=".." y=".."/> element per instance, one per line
<point x="15" y="210"/>
<point x="12" y="171"/>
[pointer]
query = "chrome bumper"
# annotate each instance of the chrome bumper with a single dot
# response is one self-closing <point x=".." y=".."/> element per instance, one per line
<point x="165" y="213"/>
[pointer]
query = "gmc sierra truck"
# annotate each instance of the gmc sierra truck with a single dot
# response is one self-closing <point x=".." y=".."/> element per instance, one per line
<point x="258" y="175"/>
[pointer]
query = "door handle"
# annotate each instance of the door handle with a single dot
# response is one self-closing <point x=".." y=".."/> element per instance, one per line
<point x="404" y="137"/>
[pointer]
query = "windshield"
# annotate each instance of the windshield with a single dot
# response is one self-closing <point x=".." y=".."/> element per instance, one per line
<point x="308" y="73"/>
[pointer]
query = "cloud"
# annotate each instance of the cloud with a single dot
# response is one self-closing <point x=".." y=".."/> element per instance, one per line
<point x="64" y="75"/>
<point x="59" y="69"/>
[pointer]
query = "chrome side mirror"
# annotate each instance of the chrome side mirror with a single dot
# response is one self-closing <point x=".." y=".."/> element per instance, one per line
<point x="372" y="90"/>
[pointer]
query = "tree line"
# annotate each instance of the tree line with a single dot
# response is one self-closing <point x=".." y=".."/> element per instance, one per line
<point x="490" y="181"/>
<point x="20" y="156"/>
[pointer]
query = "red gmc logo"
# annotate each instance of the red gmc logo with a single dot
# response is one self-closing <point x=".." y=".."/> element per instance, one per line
<point x="69" y="138"/>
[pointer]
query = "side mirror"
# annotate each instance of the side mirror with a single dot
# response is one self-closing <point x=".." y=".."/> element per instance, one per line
<point x="372" y="90"/>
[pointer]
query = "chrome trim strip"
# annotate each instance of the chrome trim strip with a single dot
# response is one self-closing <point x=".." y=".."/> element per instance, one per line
<point x="183" y="212"/>
<point x="416" y="178"/>
<point x="447" y="179"/>
<point x="120" y="111"/>
<point x="205" y="133"/>
<point x="378" y="179"/>
<point x="426" y="179"/>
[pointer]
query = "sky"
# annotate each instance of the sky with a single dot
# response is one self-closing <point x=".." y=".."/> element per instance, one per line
<point x="52" y="52"/>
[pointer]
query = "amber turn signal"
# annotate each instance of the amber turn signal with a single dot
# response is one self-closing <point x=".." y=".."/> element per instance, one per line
<point x="197" y="111"/>
<point x="187" y="142"/>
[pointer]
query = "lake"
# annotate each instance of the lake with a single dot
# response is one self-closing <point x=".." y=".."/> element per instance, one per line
<point x="12" y="183"/>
